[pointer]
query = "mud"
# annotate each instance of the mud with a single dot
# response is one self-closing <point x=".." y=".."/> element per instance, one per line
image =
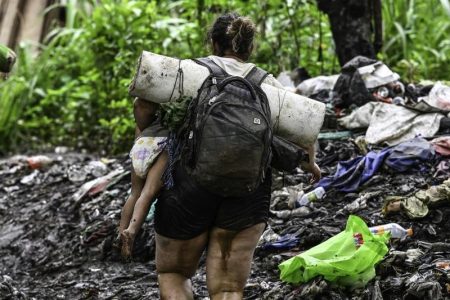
<point x="53" y="247"/>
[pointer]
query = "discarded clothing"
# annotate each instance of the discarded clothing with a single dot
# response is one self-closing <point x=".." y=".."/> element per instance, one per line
<point x="338" y="259"/>
<point x="439" y="96"/>
<point x="377" y="74"/>
<point x="358" y="76"/>
<point x="287" y="241"/>
<point x="351" y="174"/>
<point x="442" y="170"/>
<point x="350" y="87"/>
<point x="285" y="79"/>
<point x="391" y="124"/>
<point x="316" y="84"/>
<point x="360" y="117"/>
<point x="424" y="286"/>
<point x="409" y="155"/>
<point x="442" y="145"/>
<point x="417" y="206"/>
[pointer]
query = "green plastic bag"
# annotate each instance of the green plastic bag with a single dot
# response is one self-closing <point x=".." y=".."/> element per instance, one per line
<point x="338" y="259"/>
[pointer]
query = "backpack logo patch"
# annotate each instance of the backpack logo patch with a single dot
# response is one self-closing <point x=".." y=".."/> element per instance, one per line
<point x="257" y="121"/>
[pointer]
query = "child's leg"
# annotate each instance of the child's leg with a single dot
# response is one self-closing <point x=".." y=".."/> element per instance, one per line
<point x="153" y="184"/>
<point x="137" y="185"/>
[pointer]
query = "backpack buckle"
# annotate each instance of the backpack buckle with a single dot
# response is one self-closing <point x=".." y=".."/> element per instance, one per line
<point x="214" y="80"/>
<point x="212" y="100"/>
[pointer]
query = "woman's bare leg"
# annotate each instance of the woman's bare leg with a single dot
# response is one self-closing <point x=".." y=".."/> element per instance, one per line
<point x="153" y="184"/>
<point x="176" y="263"/>
<point x="229" y="260"/>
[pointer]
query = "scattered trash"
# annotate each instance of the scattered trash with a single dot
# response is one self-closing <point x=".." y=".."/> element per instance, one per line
<point x="439" y="96"/>
<point x="392" y="124"/>
<point x="334" y="135"/>
<point x="313" y="196"/>
<point x="97" y="168"/>
<point x="287" y="241"/>
<point x="96" y="186"/>
<point x="442" y="145"/>
<point x="77" y="173"/>
<point x="39" y="161"/>
<point x="396" y="231"/>
<point x="313" y="85"/>
<point x="31" y="179"/>
<point x="351" y="174"/>
<point x="417" y="206"/>
<point x="52" y="246"/>
<point x="345" y="264"/>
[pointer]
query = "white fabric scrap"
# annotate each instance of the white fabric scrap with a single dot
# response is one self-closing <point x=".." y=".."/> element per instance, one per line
<point x="391" y="124"/>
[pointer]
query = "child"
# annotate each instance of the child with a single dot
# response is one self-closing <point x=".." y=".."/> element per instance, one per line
<point x="149" y="160"/>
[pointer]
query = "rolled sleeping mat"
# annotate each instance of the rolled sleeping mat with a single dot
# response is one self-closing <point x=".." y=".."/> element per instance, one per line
<point x="7" y="59"/>
<point x="294" y="117"/>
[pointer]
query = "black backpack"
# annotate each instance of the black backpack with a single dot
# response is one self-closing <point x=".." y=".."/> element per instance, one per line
<point x="227" y="138"/>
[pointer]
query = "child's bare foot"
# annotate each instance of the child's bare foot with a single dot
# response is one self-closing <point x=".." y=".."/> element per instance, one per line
<point x="127" y="243"/>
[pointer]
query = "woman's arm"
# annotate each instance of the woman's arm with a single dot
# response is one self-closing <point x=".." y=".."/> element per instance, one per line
<point x="310" y="165"/>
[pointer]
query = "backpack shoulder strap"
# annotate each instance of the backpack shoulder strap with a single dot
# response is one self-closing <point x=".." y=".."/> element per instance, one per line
<point x="213" y="68"/>
<point x="256" y="75"/>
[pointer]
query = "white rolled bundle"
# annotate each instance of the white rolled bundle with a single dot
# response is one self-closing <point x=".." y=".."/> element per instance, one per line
<point x="294" y="117"/>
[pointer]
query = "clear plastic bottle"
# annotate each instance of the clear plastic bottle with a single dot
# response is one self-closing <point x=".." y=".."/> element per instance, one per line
<point x="312" y="196"/>
<point x="397" y="231"/>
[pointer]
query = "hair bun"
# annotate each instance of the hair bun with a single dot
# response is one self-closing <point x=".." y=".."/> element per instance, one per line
<point x="241" y="32"/>
<point x="243" y="26"/>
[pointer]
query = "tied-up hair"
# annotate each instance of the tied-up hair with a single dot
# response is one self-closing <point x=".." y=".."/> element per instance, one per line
<point x="233" y="32"/>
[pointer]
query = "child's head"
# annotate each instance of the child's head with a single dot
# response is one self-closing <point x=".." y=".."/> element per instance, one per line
<point x="232" y="34"/>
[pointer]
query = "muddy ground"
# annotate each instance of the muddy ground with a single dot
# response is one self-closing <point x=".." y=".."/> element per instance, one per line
<point x="54" y="245"/>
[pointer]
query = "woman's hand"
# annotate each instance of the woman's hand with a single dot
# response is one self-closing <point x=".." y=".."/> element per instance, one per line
<point x="311" y="166"/>
<point x="314" y="169"/>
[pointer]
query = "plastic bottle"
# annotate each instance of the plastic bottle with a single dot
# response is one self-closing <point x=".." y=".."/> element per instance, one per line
<point x="312" y="196"/>
<point x="383" y="92"/>
<point x="398" y="100"/>
<point x="397" y="231"/>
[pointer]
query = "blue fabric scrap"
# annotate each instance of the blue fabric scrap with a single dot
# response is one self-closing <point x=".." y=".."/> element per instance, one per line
<point x="351" y="174"/>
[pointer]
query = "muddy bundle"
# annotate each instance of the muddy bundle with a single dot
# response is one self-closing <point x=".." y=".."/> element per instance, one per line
<point x="157" y="79"/>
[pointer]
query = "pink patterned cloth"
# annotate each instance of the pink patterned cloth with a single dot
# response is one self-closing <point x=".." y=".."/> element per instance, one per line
<point x="442" y="145"/>
<point x="144" y="152"/>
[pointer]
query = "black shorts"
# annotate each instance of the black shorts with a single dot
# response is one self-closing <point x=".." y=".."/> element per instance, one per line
<point x="186" y="210"/>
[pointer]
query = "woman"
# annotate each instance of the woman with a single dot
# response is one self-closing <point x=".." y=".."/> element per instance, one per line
<point x="188" y="219"/>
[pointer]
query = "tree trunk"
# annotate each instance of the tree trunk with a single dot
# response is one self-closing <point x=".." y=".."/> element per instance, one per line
<point x="351" y="26"/>
<point x="7" y="59"/>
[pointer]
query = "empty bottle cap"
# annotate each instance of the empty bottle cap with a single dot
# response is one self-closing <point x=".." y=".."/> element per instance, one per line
<point x="409" y="231"/>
